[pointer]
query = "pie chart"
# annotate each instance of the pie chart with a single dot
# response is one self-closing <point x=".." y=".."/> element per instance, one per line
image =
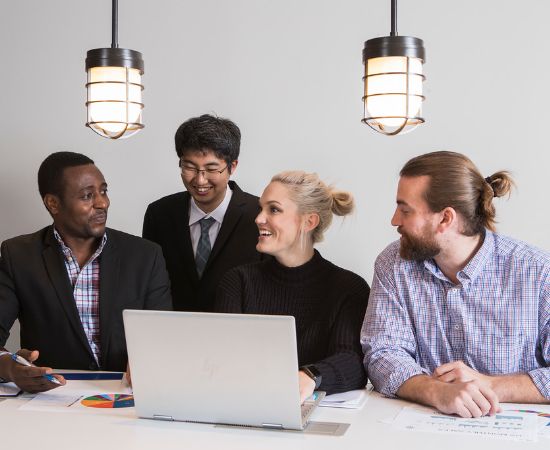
<point x="109" y="401"/>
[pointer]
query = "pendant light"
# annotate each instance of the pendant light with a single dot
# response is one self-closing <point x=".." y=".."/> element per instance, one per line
<point x="393" y="81"/>
<point x="114" y="88"/>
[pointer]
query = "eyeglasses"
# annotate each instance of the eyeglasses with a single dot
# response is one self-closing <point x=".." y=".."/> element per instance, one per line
<point x="191" y="171"/>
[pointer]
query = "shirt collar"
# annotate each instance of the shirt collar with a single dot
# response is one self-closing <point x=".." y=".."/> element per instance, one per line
<point x="68" y="253"/>
<point x="196" y="214"/>
<point x="480" y="259"/>
<point x="474" y="266"/>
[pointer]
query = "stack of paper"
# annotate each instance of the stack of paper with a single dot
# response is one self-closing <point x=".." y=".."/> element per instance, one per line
<point x="351" y="399"/>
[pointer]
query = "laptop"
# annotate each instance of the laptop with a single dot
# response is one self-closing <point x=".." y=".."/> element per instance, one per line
<point x="230" y="369"/>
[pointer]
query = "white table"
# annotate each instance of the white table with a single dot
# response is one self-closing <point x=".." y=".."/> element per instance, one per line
<point x="121" y="429"/>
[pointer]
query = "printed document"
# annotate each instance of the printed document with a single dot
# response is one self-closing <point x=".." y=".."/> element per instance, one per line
<point x="516" y="426"/>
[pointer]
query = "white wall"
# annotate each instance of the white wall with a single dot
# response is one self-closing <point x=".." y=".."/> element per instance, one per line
<point x="288" y="72"/>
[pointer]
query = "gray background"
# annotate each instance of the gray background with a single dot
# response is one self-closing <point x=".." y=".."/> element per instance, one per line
<point x="288" y="72"/>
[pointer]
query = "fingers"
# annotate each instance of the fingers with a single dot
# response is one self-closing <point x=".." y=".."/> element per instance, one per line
<point x="448" y="367"/>
<point x="34" y="385"/>
<point x="467" y="399"/>
<point x="306" y="385"/>
<point x="29" y="355"/>
<point x="444" y="368"/>
<point x="493" y="400"/>
<point x="60" y="379"/>
<point x="478" y="405"/>
<point x="30" y="371"/>
<point x="447" y="377"/>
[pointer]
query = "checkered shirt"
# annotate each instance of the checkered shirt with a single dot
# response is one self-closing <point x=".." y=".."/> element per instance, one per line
<point x="85" y="282"/>
<point x="496" y="319"/>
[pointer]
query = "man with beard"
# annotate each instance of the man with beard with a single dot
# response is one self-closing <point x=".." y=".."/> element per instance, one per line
<point x="459" y="316"/>
<point x="69" y="282"/>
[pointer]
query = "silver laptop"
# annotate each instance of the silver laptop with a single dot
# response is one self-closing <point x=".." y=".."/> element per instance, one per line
<point x="233" y="369"/>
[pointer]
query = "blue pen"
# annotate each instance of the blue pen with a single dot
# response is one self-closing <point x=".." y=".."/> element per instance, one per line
<point x="20" y="360"/>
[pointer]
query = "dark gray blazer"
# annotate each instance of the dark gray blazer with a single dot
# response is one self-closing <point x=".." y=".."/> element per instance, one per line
<point x="35" y="288"/>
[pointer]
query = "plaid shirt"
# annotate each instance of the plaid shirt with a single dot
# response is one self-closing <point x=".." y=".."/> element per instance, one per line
<point x="85" y="282"/>
<point x="496" y="320"/>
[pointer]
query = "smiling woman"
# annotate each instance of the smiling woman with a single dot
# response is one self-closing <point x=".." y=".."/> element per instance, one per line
<point x="327" y="302"/>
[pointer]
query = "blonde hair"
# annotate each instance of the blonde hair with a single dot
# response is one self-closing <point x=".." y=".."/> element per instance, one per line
<point x="456" y="182"/>
<point x="312" y="196"/>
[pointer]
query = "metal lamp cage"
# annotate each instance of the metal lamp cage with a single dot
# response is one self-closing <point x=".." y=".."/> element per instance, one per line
<point x="114" y="92"/>
<point x="393" y="84"/>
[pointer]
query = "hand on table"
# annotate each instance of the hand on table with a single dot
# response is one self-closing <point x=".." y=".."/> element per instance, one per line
<point x="29" y="378"/>
<point x="466" y="392"/>
<point x="307" y="386"/>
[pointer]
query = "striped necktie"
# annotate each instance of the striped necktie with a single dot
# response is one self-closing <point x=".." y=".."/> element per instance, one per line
<point x="204" y="247"/>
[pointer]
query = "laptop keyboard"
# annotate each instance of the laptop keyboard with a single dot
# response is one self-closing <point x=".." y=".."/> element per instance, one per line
<point x="307" y="409"/>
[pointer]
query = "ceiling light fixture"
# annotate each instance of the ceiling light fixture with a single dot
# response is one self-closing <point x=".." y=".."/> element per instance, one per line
<point x="114" y="88"/>
<point x="393" y="81"/>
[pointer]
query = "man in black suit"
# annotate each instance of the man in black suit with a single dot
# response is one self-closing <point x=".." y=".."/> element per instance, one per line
<point x="69" y="282"/>
<point x="208" y="229"/>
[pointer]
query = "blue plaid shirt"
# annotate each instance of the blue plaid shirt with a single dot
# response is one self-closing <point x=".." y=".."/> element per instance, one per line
<point x="496" y="320"/>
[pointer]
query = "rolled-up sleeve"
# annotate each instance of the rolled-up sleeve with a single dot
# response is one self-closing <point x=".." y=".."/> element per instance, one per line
<point x="387" y="335"/>
<point x="541" y="376"/>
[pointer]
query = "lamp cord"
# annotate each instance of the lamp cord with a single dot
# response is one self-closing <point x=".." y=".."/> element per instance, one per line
<point x="114" y="41"/>
<point x="393" y="18"/>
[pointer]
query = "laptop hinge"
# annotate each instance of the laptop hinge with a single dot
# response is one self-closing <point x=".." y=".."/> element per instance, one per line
<point x="162" y="417"/>
<point x="276" y="426"/>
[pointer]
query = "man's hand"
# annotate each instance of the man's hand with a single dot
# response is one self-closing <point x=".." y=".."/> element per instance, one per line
<point x="512" y="388"/>
<point x="458" y="371"/>
<point x="307" y="386"/>
<point x="466" y="398"/>
<point x="472" y="385"/>
<point x="28" y="378"/>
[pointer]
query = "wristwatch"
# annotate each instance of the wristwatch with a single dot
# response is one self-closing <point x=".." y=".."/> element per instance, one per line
<point x="313" y="372"/>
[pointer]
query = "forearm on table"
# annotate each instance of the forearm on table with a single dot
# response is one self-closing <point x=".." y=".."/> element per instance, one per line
<point x="517" y="388"/>
<point x="420" y="389"/>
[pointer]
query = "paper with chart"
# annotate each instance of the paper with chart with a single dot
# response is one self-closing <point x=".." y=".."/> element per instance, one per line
<point x="543" y="415"/>
<point x="86" y="396"/>
<point x="510" y="425"/>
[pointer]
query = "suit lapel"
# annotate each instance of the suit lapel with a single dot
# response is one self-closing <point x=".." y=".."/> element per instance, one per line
<point x="55" y="266"/>
<point x="109" y="267"/>
<point x="183" y="237"/>
<point x="230" y="221"/>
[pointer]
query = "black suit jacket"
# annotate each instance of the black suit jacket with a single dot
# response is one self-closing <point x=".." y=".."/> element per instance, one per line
<point x="35" y="287"/>
<point x="166" y="222"/>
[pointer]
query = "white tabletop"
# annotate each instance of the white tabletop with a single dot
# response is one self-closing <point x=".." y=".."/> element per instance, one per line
<point x="121" y="429"/>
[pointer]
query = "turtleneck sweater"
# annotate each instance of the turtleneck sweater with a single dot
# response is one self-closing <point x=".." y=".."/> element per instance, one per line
<point x="328" y="304"/>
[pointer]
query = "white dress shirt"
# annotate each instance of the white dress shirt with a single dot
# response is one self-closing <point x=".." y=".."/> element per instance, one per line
<point x="196" y="214"/>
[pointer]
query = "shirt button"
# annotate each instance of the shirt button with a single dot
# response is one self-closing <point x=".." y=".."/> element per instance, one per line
<point x="457" y="327"/>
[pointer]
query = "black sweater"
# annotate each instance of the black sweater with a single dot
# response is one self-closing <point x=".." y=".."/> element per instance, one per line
<point x="327" y="302"/>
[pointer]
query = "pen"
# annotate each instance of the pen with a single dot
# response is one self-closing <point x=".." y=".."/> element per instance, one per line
<point x="20" y="360"/>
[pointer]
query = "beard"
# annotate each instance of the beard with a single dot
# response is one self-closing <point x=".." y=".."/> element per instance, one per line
<point x="418" y="248"/>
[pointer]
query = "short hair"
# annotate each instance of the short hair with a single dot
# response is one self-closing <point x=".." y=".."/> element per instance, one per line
<point x="50" y="173"/>
<point x="311" y="195"/>
<point x="455" y="181"/>
<point x="208" y="132"/>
